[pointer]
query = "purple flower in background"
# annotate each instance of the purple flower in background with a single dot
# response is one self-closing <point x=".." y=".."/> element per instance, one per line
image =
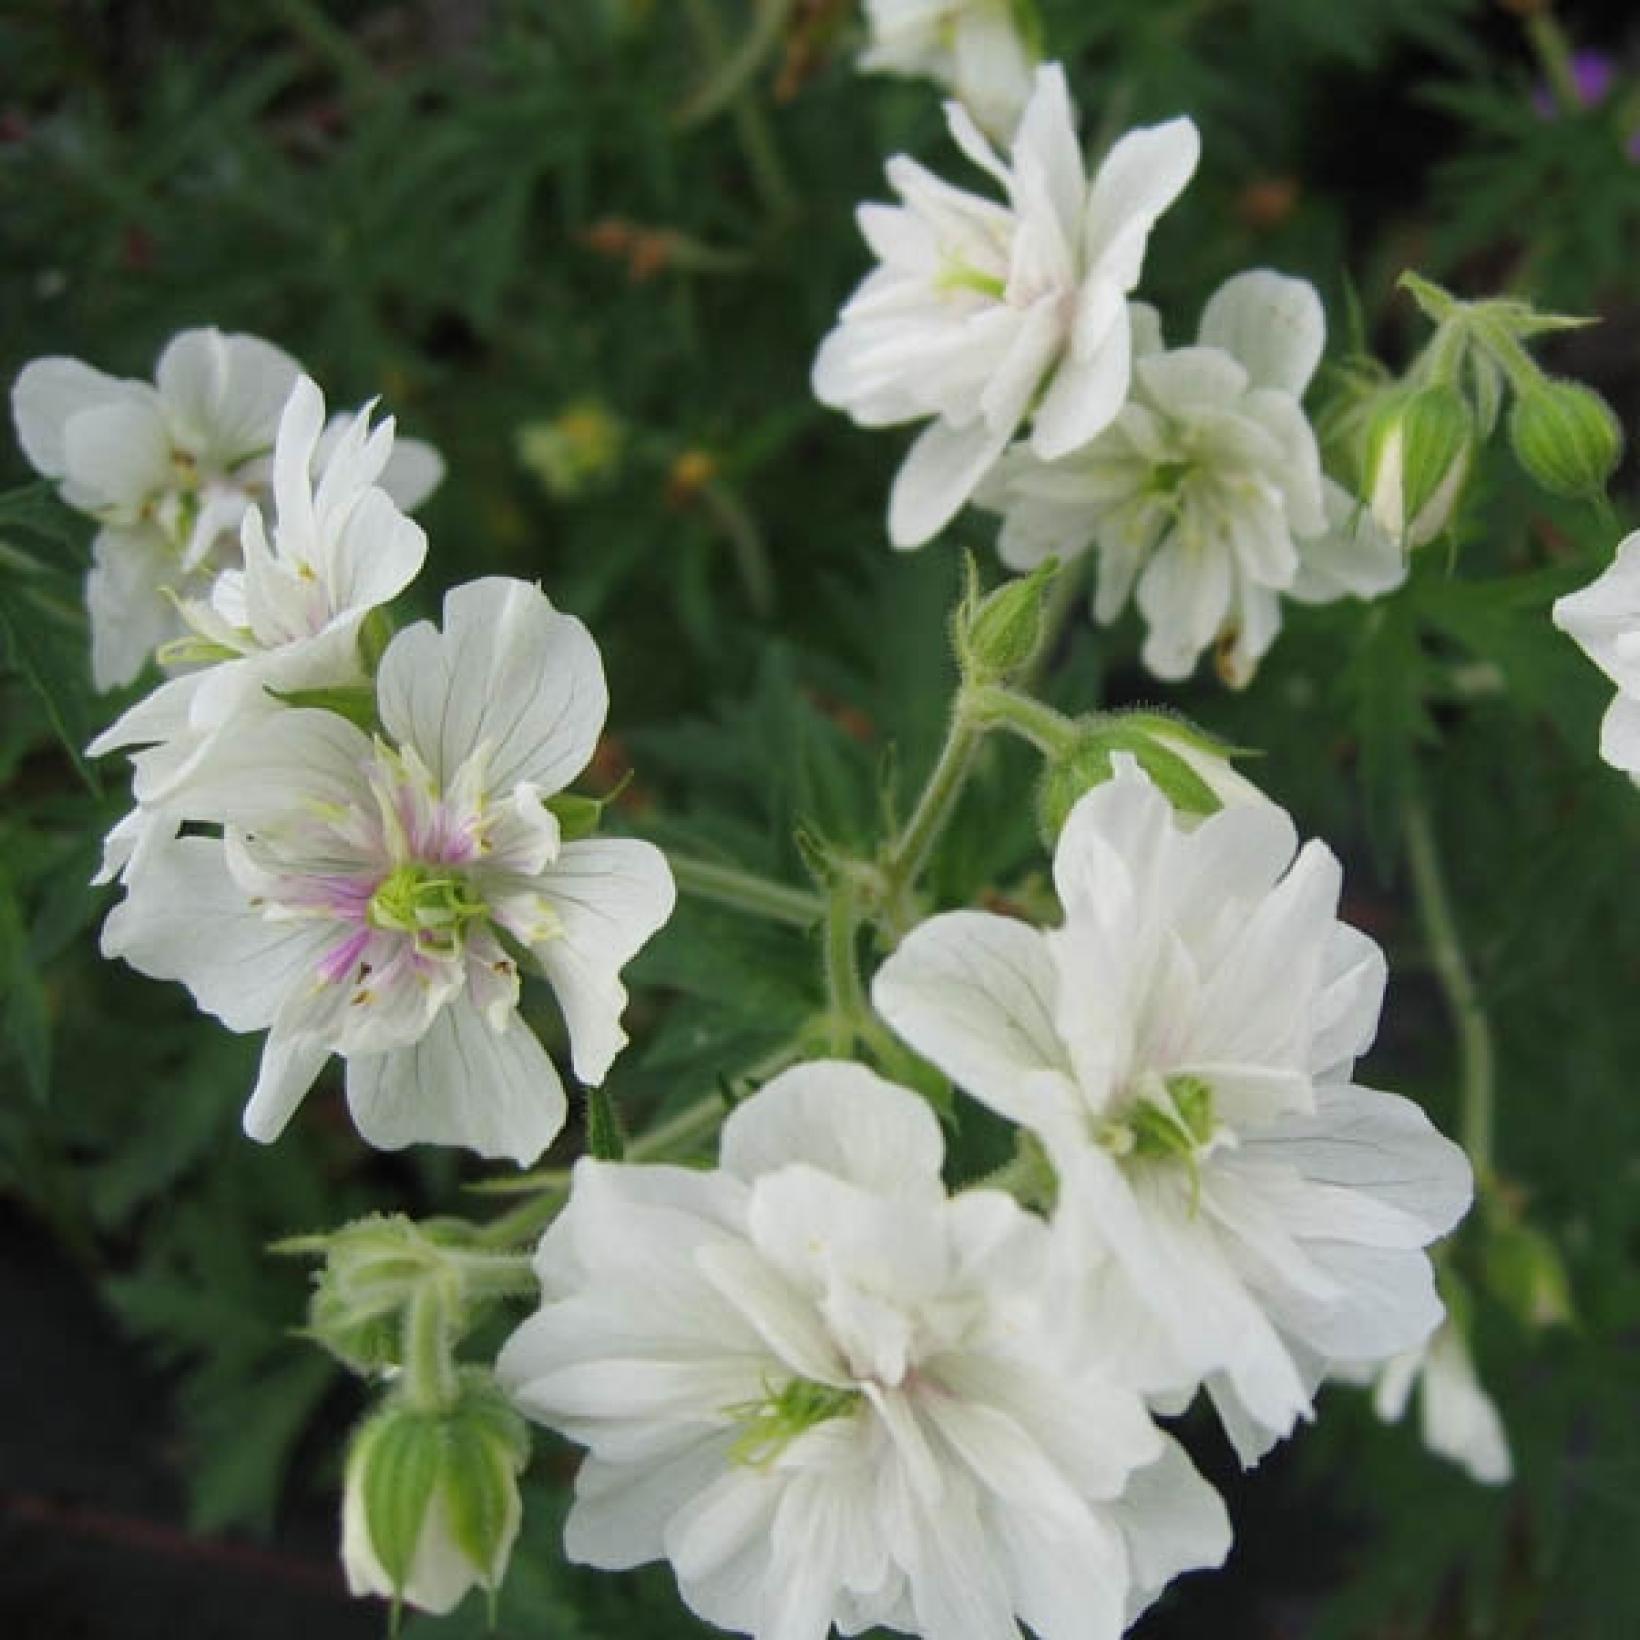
<point x="1594" y="77"/>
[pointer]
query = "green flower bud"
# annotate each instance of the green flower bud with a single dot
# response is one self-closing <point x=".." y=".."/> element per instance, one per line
<point x="1419" y="453"/>
<point x="1565" y="435"/>
<point x="1525" y="1273"/>
<point x="430" y="1504"/>
<point x="1001" y="632"/>
<point x="1189" y="767"/>
<point x="374" y="1268"/>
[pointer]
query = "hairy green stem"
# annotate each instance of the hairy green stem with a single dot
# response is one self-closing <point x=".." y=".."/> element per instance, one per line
<point x="1476" y="1054"/>
<point x="995" y="706"/>
<point x="429" y="1362"/>
<point x="743" y="891"/>
<point x="844" y="989"/>
<point x="906" y="856"/>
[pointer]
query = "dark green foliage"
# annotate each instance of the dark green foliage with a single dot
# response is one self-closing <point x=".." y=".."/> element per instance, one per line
<point x="491" y="215"/>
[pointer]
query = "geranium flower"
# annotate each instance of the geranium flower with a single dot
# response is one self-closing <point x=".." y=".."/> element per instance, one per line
<point x="377" y="897"/>
<point x="974" y="48"/>
<point x="1206" y="493"/>
<point x="1183" y="1047"/>
<point x="986" y="316"/>
<point x="169" y="469"/>
<point x="830" y="1395"/>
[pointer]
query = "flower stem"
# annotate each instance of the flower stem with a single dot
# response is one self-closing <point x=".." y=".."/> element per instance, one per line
<point x="844" y="989"/>
<point x="994" y="705"/>
<point x="1474" y="1029"/>
<point x="742" y="891"/>
<point x="429" y="1364"/>
<point x="905" y="857"/>
<point x="1554" y="54"/>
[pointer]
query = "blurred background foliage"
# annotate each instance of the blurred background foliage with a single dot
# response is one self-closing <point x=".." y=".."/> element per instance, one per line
<point x="588" y="248"/>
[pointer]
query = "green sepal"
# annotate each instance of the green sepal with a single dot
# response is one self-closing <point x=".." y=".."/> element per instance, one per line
<point x="997" y="634"/>
<point x="400" y="1455"/>
<point x="1566" y="437"/>
<point x="486" y="1444"/>
<point x="354" y="701"/>
<point x="579" y="817"/>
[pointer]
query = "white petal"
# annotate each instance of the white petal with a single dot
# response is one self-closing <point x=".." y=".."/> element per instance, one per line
<point x="843" y="1119"/>
<point x="1459" y="1419"/>
<point x="289" y="1068"/>
<point x="509" y="671"/>
<point x="185" y="918"/>
<point x="610" y="894"/>
<point x="49" y="393"/>
<point x="1377" y="1143"/>
<point x="115" y="456"/>
<point x="975" y="994"/>
<point x="1141" y="176"/>
<point x="295" y="758"/>
<point x="1174" y="1522"/>
<point x="941" y="471"/>
<point x="621" y="1511"/>
<point x="1274" y="325"/>
<point x="224" y="393"/>
<point x="463" y="1083"/>
<point x="413" y="471"/>
<point x="130" y="614"/>
<point x="1084" y="395"/>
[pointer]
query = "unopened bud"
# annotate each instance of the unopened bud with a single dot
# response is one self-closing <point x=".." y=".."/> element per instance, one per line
<point x="1565" y="435"/>
<point x="1419" y="453"/>
<point x="1526" y="1274"/>
<point x="430" y="1506"/>
<point x="1187" y="765"/>
<point x="999" y="633"/>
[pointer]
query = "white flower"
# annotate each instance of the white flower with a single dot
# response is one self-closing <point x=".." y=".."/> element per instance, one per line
<point x="1604" y="617"/>
<point x="984" y="315"/>
<point x="169" y="469"/>
<point x="1183" y="1046"/>
<point x="1206" y="492"/>
<point x="1458" y="1420"/>
<point x="289" y="620"/>
<point x="974" y="48"/>
<point x="828" y="1394"/>
<point x="368" y="896"/>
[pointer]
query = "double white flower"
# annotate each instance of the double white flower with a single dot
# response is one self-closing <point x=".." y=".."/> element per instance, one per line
<point x="170" y="470"/>
<point x="830" y="1395"/>
<point x="1206" y="491"/>
<point x="983" y="316"/>
<point x="288" y="621"/>
<point x="1183" y="1046"/>
<point x="1604" y="617"/>
<point x="368" y="895"/>
<point x="974" y="48"/>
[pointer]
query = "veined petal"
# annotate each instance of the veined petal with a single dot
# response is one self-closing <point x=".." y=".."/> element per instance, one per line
<point x="1273" y="324"/>
<point x="508" y="670"/>
<point x="842" y="1118"/>
<point x="463" y="1083"/>
<point x="185" y="918"/>
<point x="223" y="394"/>
<point x="975" y="993"/>
<point x="609" y="895"/>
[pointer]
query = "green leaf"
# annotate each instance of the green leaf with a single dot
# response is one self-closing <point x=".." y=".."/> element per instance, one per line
<point x="54" y="665"/>
<point x="604" y="1138"/>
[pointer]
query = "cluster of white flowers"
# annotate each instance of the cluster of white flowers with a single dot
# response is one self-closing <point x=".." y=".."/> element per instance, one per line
<point x="831" y="1391"/>
<point x="170" y="470"/>
<point x="357" y="853"/>
<point x="1193" y="471"/>
<point x="831" y="1394"/>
